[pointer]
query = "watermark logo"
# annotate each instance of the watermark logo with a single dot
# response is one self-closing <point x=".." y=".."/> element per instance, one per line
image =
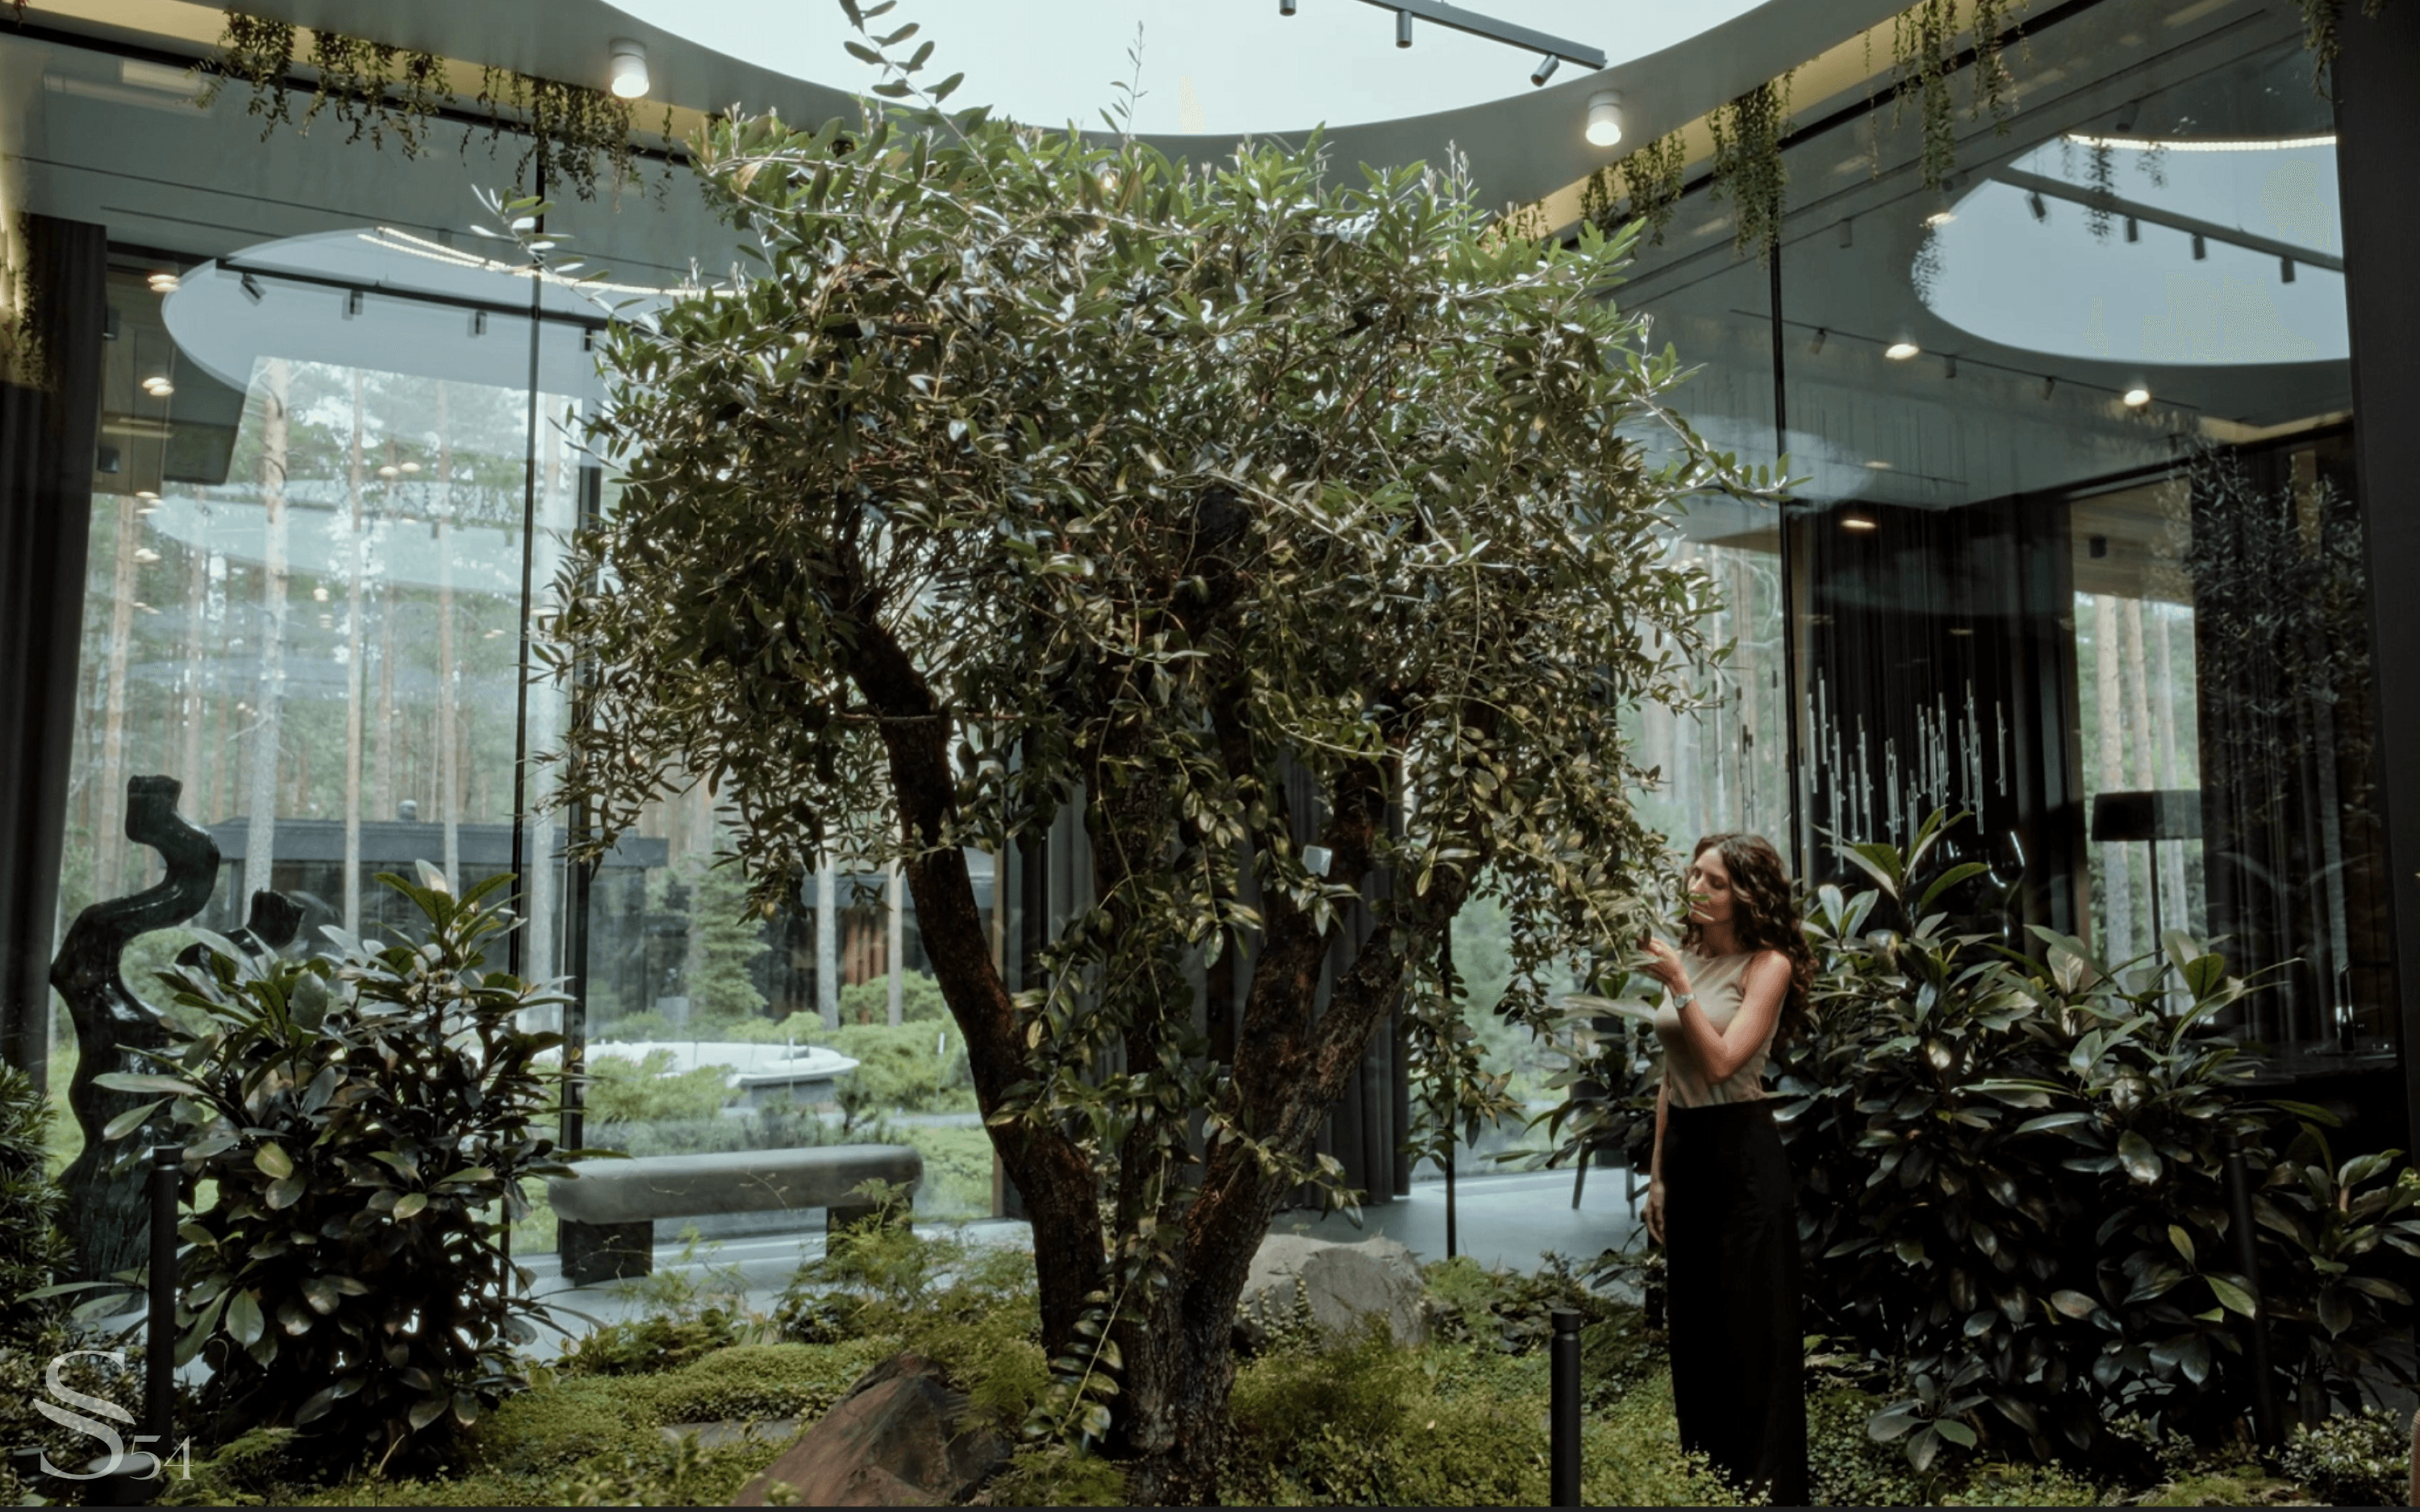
<point x="69" y="1409"/>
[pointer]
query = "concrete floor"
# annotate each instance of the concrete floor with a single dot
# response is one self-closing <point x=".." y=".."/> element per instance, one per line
<point x="1508" y="1220"/>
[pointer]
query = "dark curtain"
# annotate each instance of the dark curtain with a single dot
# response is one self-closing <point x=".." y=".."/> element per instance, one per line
<point x="2292" y="846"/>
<point x="49" y="425"/>
<point x="1938" y="674"/>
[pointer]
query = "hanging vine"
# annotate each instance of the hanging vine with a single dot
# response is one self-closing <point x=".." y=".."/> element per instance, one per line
<point x="1924" y="57"/>
<point x="1748" y="170"/>
<point x="1644" y="185"/>
<point x="578" y="138"/>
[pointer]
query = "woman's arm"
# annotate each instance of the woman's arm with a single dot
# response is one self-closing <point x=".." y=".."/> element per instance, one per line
<point x="1719" y="1053"/>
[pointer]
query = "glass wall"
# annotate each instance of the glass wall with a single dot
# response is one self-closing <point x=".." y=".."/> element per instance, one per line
<point x="341" y="453"/>
<point x="2077" y="554"/>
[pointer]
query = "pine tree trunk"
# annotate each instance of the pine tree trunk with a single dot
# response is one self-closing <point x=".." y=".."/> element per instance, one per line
<point x="261" y="839"/>
<point x="353" y="678"/>
<point x="449" y="786"/>
<point x="109" y="841"/>
<point x="2117" y="901"/>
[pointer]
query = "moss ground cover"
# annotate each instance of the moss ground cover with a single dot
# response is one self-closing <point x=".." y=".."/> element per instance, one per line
<point x="1319" y="1421"/>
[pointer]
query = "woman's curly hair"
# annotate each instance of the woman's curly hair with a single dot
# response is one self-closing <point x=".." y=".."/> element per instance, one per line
<point x="1765" y="916"/>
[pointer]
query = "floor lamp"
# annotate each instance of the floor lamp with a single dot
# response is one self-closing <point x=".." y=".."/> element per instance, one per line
<point x="2151" y="815"/>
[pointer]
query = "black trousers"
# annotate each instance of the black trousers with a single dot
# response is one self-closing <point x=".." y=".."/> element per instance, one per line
<point x="1730" y="1227"/>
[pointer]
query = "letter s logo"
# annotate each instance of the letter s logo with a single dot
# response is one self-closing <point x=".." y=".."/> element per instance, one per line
<point x="66" y="1419"/>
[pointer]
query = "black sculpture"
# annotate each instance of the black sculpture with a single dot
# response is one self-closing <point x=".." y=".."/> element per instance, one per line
<point x="110" y="1219"/>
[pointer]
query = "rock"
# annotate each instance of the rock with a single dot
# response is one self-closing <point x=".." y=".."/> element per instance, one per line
<point x="1340" y="1285"/>
<point x="895" y="1440"/>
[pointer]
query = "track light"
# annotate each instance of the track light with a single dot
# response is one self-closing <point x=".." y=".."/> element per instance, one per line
<point x="2035" y="202"/>
<point x="2134" y="229"/>
<point x="1604" y="117"/>
<point x="628" y="62"/>
<point x="1815" y="347"/>
<point x="2285" y="269"/>
<point x="1403" y="28"/>
<point x="478" y="322"/>
<point x="1858" y="522"/>
<point x="2200" y="248"/>
<point x="2137" y="396"/>
<point x="1900" y="351"/>
<point x="1545" y="68"/>
<point x="2050" y="387"/>
<point x="1949" y="367"/>
<point x="353" y="304"/>
<point x="252" y="289"/>
<point x="162" y="283"/>
<point x="1286" y="7"/>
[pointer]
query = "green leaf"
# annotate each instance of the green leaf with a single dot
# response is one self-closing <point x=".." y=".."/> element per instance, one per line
<point x="2182" y="1240"/>
<point x="410" y="1204"/>
<point x="273" y="1161"/>
<point x="2230" y="1296"/>
<point x="136" y="1080"/>
<point x="2073" y="1303"/>
<point x="244" y="1321"/>
<point x="130" y="1120"/>
<point x="2141" y="1161"/>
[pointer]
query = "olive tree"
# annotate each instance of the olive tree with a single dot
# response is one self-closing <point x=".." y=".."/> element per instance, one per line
<point x="1025" y="474"/>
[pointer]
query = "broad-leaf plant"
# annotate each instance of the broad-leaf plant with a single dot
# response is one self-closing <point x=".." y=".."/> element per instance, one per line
<point x="357" y="1130"/>
<point x="1274" y="526"/>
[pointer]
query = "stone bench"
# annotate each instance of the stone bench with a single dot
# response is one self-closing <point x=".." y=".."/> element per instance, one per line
<point x="606" y="1215"/>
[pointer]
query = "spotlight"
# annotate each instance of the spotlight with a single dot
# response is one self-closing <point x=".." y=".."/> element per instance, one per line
<point x="2285" y="269"/>
<point x="630" y="69"/>
<point x="1940" y="218"/>
<point x="1816" y="346"/>
<point x="1403" y="28"/>
<point x="252" y="289"/>
<point x="158" y="386"/>
<point x="2134" y="229"/>
<point x="1848" y="233"/>
<point x="1545" y="68"/>
<point x="1949" y="368"/>
<point x="1878" y="465"/>
<point x="1604" y="117"/>
<point x="2035" y="202"/>
<point x="2050" y="387"/>
<point x="2137" y="396"/>
<point x="1900" y="351"/>
<point x="147" y="495"/>
<point x="1858" y="522"/>
<point x="478" y="322"/>
<point x="162" y="283"/>
<point x="2200" y="248"/>
<point x="1286" y="7"/>
<point x="353" y="304"/>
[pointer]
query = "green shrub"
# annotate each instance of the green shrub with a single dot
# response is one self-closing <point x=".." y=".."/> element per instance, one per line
<point x="362" y="1128"/>
<point x="31" y="1249"/>
<point x="2359" y="1460"/>
<point x="25" y="1365"/>
<point x="899" y="1066"/>
<point x="622" y="1090"/>
<point x="2012" y="1174"/>
<point x="869" y="1002"/>
<point x="1057" y="1476"/>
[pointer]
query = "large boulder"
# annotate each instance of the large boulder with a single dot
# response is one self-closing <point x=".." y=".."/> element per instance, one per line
<point x="1334" y="1288"/>
<point x="897" y="1439"/>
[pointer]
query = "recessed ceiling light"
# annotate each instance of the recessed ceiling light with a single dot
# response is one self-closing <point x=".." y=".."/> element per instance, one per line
<point x="1941" y="218"/>
<point x="1858" y="522"/>
<point x="158" y="386"/>
<point x="1900" y="351"/>
<point x="1879" y="464"/>
<point x="2137" y="398"/>
<point x="162" y="283"/>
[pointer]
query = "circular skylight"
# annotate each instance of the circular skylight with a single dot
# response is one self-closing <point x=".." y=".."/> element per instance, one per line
<point x="2179" y="253"/>
<point x="1208" y="65"/>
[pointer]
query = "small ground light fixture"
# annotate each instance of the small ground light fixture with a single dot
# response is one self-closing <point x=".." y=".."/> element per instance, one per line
<point x="1900" y="351"/>
<point x="1604" y="119"/>
<point x="630" y="69"/>
<point x="2137" y="396"/>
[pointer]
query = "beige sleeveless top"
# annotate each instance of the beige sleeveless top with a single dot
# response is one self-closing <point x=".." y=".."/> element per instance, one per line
<point x="1716" y="981"/>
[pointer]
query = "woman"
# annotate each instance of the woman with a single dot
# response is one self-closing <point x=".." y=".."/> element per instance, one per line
<point x="1721" y="1200"/>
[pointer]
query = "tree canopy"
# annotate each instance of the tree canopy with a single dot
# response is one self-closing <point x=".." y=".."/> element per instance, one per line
<point x="1294" y="527"/>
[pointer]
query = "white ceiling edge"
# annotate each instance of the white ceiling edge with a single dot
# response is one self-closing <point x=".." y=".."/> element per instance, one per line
<point x="1519" y="149"/>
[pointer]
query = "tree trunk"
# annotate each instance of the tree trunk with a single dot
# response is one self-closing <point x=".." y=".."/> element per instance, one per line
<point x="828" y="944"/>
<point x="261" y="840"/>
<point x="109" y="841"/>
<point x="2118" y="894"/>
<point x="895" y="946"/>
<point x="449" y="785"/>
<point x="353" y="678"/>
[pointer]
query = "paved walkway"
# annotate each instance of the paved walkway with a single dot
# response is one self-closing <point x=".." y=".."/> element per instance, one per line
<point x="1508" y="1220"/>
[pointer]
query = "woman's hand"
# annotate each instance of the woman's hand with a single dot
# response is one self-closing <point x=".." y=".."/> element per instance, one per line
<point x="1656" y="1210"/>
<point x="1664" y="964"/>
